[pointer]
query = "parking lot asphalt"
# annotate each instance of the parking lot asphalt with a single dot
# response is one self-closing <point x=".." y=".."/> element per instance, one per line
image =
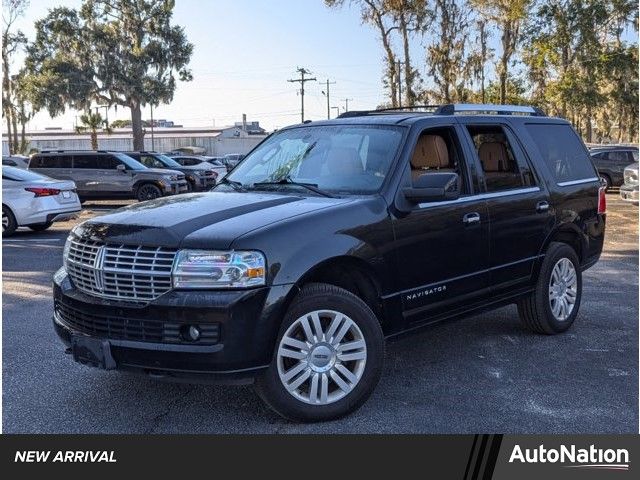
<point x="477" y="374"/>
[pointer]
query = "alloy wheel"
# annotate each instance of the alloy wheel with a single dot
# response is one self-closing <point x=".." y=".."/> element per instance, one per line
<point x="321" y="357"/>
<point x="563" y="289"/>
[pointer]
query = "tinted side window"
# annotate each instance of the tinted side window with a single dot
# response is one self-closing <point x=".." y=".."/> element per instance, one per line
<point x="11" y="163"/>
<point x="562" y="151"/>
<point x="619" y="157"/>
<point x="149" y="161"/>
<point x="84" y="161"/>
<point x="107" y="162"/>
<point x="498" y="161"/>
<point x="53" y="161"/>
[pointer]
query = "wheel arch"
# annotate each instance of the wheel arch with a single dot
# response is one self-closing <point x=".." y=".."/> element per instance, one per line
<point x="351" y="273"/>
<point x="568" y="233"/>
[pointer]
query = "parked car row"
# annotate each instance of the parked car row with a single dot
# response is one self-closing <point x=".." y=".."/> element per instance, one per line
<point x="69" y="177"/>
<point x="611" y="160"/>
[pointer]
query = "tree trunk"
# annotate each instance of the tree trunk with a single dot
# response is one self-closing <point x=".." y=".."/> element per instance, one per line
<point x="23" y="130"/>
<point x="589" y="132"/>
<point x="94" y="140"/>
<point x="9" y="133"/>
<point x="14" y="126"/>
<point x="136" y="126"/>
<point x="409" y="94"/>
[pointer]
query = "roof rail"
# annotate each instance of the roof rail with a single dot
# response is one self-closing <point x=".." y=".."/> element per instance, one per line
<point x="452" y="109"/>
<point x="73" y="151"/>
<point x="428" y="109"/>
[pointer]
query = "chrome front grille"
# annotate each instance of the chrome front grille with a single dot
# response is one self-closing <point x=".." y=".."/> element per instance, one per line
<point x="122" y="272"/>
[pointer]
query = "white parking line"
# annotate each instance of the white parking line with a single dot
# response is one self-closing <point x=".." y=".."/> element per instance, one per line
<point x="11" y="240"/>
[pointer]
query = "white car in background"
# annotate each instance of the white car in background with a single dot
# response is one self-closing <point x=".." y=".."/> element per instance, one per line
<point x="210" y="163"/>
<point x="32" y="200"/>
<point x="19" y="161"/>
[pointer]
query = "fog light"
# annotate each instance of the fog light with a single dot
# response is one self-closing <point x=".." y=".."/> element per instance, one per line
<point x="190" y="333"/>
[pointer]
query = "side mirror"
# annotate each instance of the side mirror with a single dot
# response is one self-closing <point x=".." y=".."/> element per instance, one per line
<point x="121" y="168"/>
<point x="434" y="187"/>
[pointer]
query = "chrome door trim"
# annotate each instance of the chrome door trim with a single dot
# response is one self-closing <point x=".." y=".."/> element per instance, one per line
<point x="481" y="196"/>
<point x="578" y="182"/>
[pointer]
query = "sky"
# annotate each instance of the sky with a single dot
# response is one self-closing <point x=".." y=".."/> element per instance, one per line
<point x="245" y="51"/>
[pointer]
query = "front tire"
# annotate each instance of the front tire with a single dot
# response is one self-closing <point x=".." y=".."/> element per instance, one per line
<point x="328" y="357"/>
<point x="9" y="224"/>
<point x="553" y="306"/>
<point x="148" y="191"/>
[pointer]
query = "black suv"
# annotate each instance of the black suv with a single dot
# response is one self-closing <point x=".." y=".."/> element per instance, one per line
<point x="330" y="237"/>
<point x="610" y="161"/>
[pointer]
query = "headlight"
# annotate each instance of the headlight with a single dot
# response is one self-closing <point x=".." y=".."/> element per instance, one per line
<point x="218" y="269"/>
<point x="65" y="251"/>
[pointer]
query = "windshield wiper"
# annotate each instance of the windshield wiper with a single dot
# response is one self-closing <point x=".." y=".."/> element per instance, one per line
<point x="313" y="187"/>
<point x="237" y="186"/>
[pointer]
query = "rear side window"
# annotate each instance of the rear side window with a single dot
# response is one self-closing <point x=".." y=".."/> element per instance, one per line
<point x="84" y="161"/>
<point x="502" y="169"/>
<point x="563" y="152"/>
<point x="53" y="161"/>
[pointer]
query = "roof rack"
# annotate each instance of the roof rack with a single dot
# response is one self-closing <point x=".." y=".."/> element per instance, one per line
<point x="427" y="109"/>
<point x="72" y="151"/>
<point x="451" y="109"/>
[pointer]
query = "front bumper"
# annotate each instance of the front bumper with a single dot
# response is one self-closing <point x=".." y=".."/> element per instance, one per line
<point x="175" y="188"/>
<point x="143" y="338"/>
<point x="629" y="193"/>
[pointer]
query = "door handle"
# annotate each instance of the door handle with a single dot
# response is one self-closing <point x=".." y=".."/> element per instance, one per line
<point x="471" y="218"/>
<point x="542" y="207"/>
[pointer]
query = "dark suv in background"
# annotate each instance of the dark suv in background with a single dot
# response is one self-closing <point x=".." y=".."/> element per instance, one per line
<point x="199" y="177"/>
<point x="610" y="161"/>
<point x="330" y="236"/>
<point x="108" y="175"/>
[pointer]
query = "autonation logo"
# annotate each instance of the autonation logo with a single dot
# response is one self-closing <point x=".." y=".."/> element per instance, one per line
<point x="574" y="457"/>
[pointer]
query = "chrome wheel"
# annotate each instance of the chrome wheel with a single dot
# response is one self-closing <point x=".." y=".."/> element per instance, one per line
<point x="321" y="357"/>
<point x="5" y="221"/>
<point x="563" y="289"/>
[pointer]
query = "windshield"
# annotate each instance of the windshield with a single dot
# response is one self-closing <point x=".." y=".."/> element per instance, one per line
<point x="20" y="175"/>
<point x="342" y="159"/>
<point x="129" y="162"/>
<point x="168" y="161"/>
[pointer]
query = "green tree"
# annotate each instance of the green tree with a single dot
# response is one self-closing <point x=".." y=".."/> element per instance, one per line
<point x="92" y="123"/>
<point x="507" y="17"/>
<point x="12" y="43"/>
<point x="116" y="52"/>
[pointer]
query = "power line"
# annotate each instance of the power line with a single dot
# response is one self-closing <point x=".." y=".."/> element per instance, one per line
<point x="328" y="100"/>
<point x="302" y="80"/>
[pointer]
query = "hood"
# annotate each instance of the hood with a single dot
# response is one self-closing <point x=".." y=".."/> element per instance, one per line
<point x="208" y="220"/>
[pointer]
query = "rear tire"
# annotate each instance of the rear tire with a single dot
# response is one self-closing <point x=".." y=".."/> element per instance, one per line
<point x="553" y="306"/>
<point x="9" y="224"/>
<point x="328" y="356"/>
<point x="148" y="191"/>
<point x="40" y="227"/>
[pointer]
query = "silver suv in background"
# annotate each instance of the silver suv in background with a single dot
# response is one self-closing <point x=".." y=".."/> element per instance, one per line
<point x="108" y="175"/>
<point x="629" y="190"/>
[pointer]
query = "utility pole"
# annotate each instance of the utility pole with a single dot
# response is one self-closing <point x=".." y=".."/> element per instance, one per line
<point x="326" y="94"/>
<point x="400" y="83"/>
<point x="346" y="103"/>
<point x="302" y="71"/>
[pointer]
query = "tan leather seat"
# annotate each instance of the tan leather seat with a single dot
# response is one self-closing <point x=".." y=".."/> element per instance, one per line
<point x="344" y="161"/>
<point x="493" y="156"/>
<point x="431" y="153"/>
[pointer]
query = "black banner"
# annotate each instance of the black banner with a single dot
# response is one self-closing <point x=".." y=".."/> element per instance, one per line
<point x="464" y="457"/>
